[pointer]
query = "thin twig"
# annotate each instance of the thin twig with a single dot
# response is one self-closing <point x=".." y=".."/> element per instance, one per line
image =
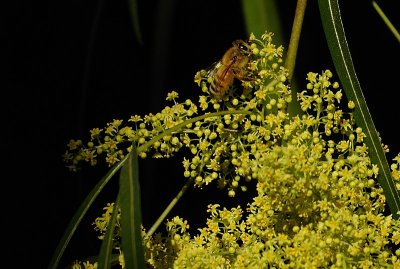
<point x="169" y="208"/>
<point x="386" y="20"/>
<point x="295" y="37"/>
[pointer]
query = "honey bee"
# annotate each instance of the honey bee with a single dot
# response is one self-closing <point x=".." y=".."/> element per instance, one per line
<point x="232" y="65"/>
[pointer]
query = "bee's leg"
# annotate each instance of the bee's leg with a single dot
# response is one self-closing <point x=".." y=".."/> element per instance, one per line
<point x="242" y="74"/>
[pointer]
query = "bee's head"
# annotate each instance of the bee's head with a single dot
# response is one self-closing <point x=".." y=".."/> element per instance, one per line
<point x="242" y="46"/>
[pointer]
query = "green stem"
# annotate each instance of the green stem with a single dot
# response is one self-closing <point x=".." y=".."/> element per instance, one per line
<point x="177" y="127"/>
<point x="295" y="37"/>
<point x="169" y="208"/>
<point x="386" y="20"/>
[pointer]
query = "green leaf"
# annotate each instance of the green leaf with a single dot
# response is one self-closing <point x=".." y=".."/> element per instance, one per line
<point x="131" y="216"/>
<point x="80" y="213"/>
<point x="105" y="257"/>
<point x="334" y="32"/>
<point x="262" y="15"/>
<point x="133" y="8"/>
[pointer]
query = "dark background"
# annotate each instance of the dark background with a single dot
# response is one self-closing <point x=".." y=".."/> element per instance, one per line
<point x="73" y="66"/>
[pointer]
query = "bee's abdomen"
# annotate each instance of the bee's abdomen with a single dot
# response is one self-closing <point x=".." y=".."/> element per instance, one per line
<point x="221" y="83"/>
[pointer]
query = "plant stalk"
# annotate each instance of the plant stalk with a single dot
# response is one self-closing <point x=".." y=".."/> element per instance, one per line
<point x="177" y="127"/>
<point x="145" y="146"/>
<point x="295" y="37"/>
<point x="169" y="208"/>
<point x="386" y="20"/>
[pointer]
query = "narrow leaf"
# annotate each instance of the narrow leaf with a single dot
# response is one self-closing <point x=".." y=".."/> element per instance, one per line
<point x="80" y="213"/>
<point x="105" y="258"/>
<point x="262" y="15"/>
<point x="334" y="32"/>
<point x="131" y="216"/>
<point x="133" y="8"/>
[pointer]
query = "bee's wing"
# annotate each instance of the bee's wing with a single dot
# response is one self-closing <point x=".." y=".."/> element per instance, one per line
<point x="213" y="68"/>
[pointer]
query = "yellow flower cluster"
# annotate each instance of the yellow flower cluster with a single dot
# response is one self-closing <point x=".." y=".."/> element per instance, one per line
<point x="115" y="140"/>
<point x="221" y="146"/>
<point x="317" y="202"/>
<point x="101" y="223"/>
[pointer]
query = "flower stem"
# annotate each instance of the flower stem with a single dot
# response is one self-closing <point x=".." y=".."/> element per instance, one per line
<point x="295" y="37"/>
<point x="386" y="20"/>
<point x="145" y="146"/>
<point x="169" y="208"/>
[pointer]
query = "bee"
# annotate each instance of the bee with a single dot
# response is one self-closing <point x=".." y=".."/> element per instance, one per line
<point x="233" y="65"/>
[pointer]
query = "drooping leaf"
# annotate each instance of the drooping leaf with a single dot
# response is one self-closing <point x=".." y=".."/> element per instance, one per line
<point x="80" y="213"/>
<point x="131" y="215"/>
<point x="335" y="35"/>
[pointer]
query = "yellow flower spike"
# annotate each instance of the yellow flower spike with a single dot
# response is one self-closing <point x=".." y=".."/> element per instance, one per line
<point x="315" y="200"/>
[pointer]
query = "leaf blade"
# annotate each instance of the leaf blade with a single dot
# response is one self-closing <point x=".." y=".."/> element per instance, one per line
<point x="133" y="9"/>
<point x="262" y="15"/>
<point x="80" y="213"/>
<point x="131" y="218"/>
<point x="335" y="35"/>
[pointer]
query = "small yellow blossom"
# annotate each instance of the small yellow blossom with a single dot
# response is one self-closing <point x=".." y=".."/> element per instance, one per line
<point x="172" y="96"/>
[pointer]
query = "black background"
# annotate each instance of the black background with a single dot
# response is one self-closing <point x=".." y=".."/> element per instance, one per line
<point x="73" y="66"/>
